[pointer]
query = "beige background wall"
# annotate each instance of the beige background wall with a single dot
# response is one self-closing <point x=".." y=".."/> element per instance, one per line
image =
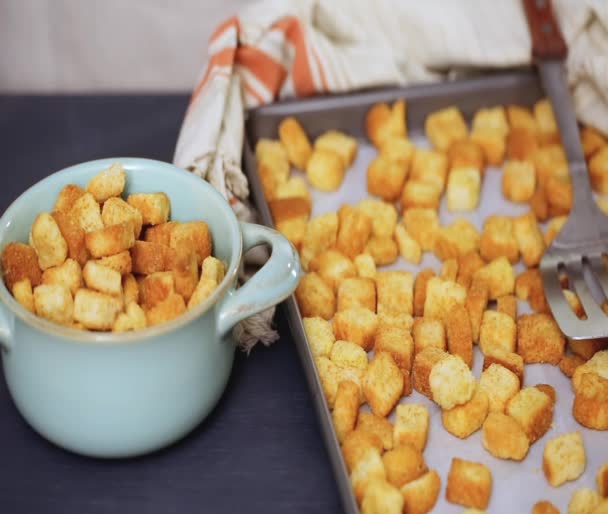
<point x="106" y="45"/>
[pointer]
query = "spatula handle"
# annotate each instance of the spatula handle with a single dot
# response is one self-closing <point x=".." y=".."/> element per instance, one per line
<point x="547" y="40"/>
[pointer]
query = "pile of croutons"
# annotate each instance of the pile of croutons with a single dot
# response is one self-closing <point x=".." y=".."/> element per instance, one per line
<point x="86" y="267"/>
<point x="376" y="335"/>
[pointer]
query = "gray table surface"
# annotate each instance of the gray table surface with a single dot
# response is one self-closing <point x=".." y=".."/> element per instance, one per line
<point x="259" y="451"/>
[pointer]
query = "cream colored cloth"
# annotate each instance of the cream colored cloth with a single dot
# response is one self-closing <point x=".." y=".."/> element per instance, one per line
<point x="283" y="48"/>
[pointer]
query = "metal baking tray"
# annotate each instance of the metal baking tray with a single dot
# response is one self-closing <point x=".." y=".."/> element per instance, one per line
<point x="346" y="112"/>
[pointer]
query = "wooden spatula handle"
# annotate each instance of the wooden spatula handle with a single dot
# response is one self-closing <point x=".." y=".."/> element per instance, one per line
<point x="547" y="40"/>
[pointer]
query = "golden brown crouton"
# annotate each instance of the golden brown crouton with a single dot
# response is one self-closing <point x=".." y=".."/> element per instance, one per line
<point x="160" y="233"/>
<point x="421" y="370"/>
<point x="598" y="171"/>
<point x="166" y="310"/>
<point x="22" y="292"/>
<point x="395" y="292"/>
<point x="154" y="207"/>
<point x="469" y="484"/>
<point x="476" y="303"/>
<point x="549" y="160"/>
<point x="116" y="210"/>
<point x="441" y="296"/>
<point x="420" y="495"/>
<point x="422" y="279"/>
<point x="354" y="229"/>
<point x="521" y="144"/>
<point x="295" y="141"/>
<point x="539" y="339"/>
<point x="451" y="382"/>
<point x="521" y="117"/>
<point x="67" y="274"/>
<point x="110" y="240"/>
<point x="320" y="335"/>
<point x="601" y="479"/>
<point x="109" y="182"/>
<point x="429" y="333"/>
<point x="397" y="342"/>
<point x="213" y="268"/>
<point x="518" y="180"/>
<point x="202" y="291"/>
<point x="598" y="364"/>
<point x="564" y="458"/>
<point x="270" y="148"/>
<point x="325" y="170"/>
<point x="529" y="239"/>
<point x="385" y="177"/>
<point x="465" y="154"/>
<point x="383" y="216"/>
<point x="356" y="325"/>
<point x="398" y="149"/>
<point x="463" y="420"/>
<point x="445" y="127"/>
<point x="182" y="262"/>
<point x="48" y="242"/>
<point x="19" y="261"/>
<point x="590" y="407"/>
<point x="339" y="142"/>
<point x="431" y="167"/>
<point x="134" y="318"/>
<point x="587" y="348"/>
<point x="463" y="189"/>
<point x="420" y="193"/>
<point x="544" y="507"/>
<point x="95" y="310"/>
<point x="54" y="302"/>
<point x="411" y="426"/>
<point x="382" y="384"/>
<point x="408" y="247"/>
<point x="272" y="171"/>
<point x="458" y="329"/>
<point x="381" y="498"/>
<point x="507" y="304"/>
<point x="321" y="233"/>
<point x="396" y="319"/>
<point x="74" y="236"/>
<point x="529" y="286"/>
<point x="545" y="121"/>
<point x="422" y="225"/>
<point x="558" y="191"/>
<point x="569" y="363"/>
<point x="333" y="267"/>
<point x="591" y="140"/>
<point x="120" y="262"/>
<point x="67" y="197"/>
<point x="348" y="354"/>
<point x="383" y="123"/>
<point x="329" y="376"/>
<point x="346" y="407"/>
<point x="499" y="276"/>
<point x="155" y="287"/>
<point x="403" y="464"/>
<point x="294" y="187"/>
<point x="294" y="229"/>
<point x="553" y="228"/>
<point x="449" y="270"/>
<point x="503" y="437"/>
<point x="456" y="239"/>
<point x="194" y="236"/>
<point x="497" y="332"/>
<point x="377" y="425"/>
<point x="500" y="385"/>
<point x="533" y="410"/>
<point x="498" y="239"/>
<point x="366" y="267"/>
<point x="383" y="250"/>
<point x="148" y="257"/>
<point x="130" y="289"/>
<point x="468" y="264"/>
<point x="540" y="205"/>
<point x="585" y="501"/>
<point x="512" y="361"/>
<point x="102" y="279"/>
<point x="493" y="143"/>
<point x="87" y="213"/>
<point x="356" y="444"/>
<point x="368" y="469"/>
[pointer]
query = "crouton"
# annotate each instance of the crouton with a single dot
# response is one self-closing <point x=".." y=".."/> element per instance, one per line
<point x="383" y="249"/>
<point x="333" y="267"/>
<point x="87" y="213"/>
<point x="430" y="166"/>
<point x="340" y="143"/>
<point x="463" y="420"/>
<point x="356" y="325"/>
<point x="498" y="239"/>
<point x="421" y="369"/>
<point x="497" y="332"/>
<point x="507" y="304"/>
<point x="590" y="407"/>
<point x="569" y="363"/>
<point x="540" y="205"/>
<point x="429" y="333"/>
<point x="411" y="426"/>
<point x="272" y="171"/>
<point x="95" y="310"/>
<point x="468" y="264"/>
<point x="366" y="267"/>
<point x="584" y="501"/>
<point x="564" y="458"/>
<point x="449" y="270"/>
<point x="382" y="384"/>
<point x="598" y="364"/>
<point x="403" y="464"/>
<point x="521" y="145"/>
<point x="270" y="148"/>
<point x="451" y="382"/>
<point x="148" y="257"/>
<point x="130" y="289"/>
<point x="377" y="425"/>
<point x="294" y="187"/>
<point x="325" y="170"/>
<point x="396" y="319"/>
<point x="193" y="236"/>
<point x="329" y="376"/>
<point x="110" y="240"/>
<point x="601" y="479"/>
<point x="356" y="444"/>
<point x="67" y="274"/>
<point x="456" y="239"/>
<point x="469" y="484"/>
<point x="74" y="236"/>
<point x="549" y="160"/>
<point x="518" y="180"/>
<point x="420" y="495"/>
<point x="529" y="239"/>
<point x="101" y="278"/>
<point x="586" y="348"/>
<point x="293" y="229"/>
<point x="521" y="117"/>
<point x="397" y="342"/>
<point x="22" y="292"/>
<point x="320" y="235"/>
<point x="529" y="286"/>
<point x="544" y="507"/>
<point x="493" y="142"/>
<point x="395" y="292"/>
<point x="476" y="303"/>
<point x="155" y="287"/>
<point x="500" y="385"/>
<point x="559" y="193"/>
<point x="120" y="262"/>
<point x="67" y="197"/>
<point x="419" y="193"/>
<point x="591" y="141"/>
<point x="539" y="339"/>
<point x="384" y="123"/>
<point x="512" y="361"/>
<point x="48" y="242"/>
<point x="108" y="183"/>
<point x="213" y="268"/>
<point x="545" y="122"/>
<point x="154" y="207"/>
<point x="19" y="261"/>
<point x="295" y="141"/>
<point x="408" y="247"/>
<point x="383" y="216"/>
<point x="398" y="149"/>
<point x="287" y="209"/>
<point x="182" y="264"/>
<point x="160" y="233"/>
<point x="203" y="290"/>
<point x="354" y="229"/>
<point x="463" y="189"/>
<point x="346" y="407"/>
<point x="134" y="318"/>
<point x="381" y="497"/>
<point x="503" y="437"/>
<point x="422" y="225"/>
<point x="441" y="296"/>
<point x="553" y="228"/>
<point x="367" y="469"/>
<point x="499" y="276"/>
<point x="533" y="410"/>
<point x="465" y="154"/>
<point x="385" y="178"/>
<point x="348" y="354"/>
<point x="420" y="284"/>
<point x="445" y="127"/>
<point x="459" y="336"/>
<point x="166" y="310"/>
<point x="54" y="302"/>
<point x="319" y="335"/>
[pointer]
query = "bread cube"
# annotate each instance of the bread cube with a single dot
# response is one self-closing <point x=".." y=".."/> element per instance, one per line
<point x="48" y="242"/>
<point x="356" y="325"/>
<point x="383" y="249"/>
<point x="521" y="144"/>
<point x="108" y="183"/>
<point x="553" y="228"/>
<point x="294" y="187"/>
<point x="549" y="160"/>
<point x="458" y="330"/>
<point x="469" y="484"/>
<point x="408" y="247"/>
<point x="120" y="262"/>
<point x="591" y="141"/>
<point x="378" y="426"/>
<point x="451" y="382"/>
<point x="500" y="385"/>
<point x="348" y="354"/>
<point x="420" y="495"/>
<point x="492" y="141"/>
<point x="130" y="289"/>
<point x="385" y="177"/>
<point x="95" y="310"/>
<point x="366" y="471"/>
<point x="398" y="343"/>
<point x="533" y="410"/>
<point x="569" y="363"/>
<point x="420" y="284"/>
<point x="272" y="171"/>
<point x="87" y="213"/>
<point x="419" y="193"/>
<point x="539" y="339"/>
<point x="564" y="458"/>
<point x="497" y="332"/>
<point x="465" y="154"/>
<point x="545" y="121"/>
<point x="147" y="258"/>
<point x="395" y="292"/>
<point x="476" y="303"/>
<point x="503" y="437"/>
<point x="383" y="122"/>
<point x="540" y="205"/>
<point x="321" y="233"/>
<point x="529" y="286"/>
<point x="421" y="369"/>
<point x="269" y="148"/>
<point x="22" y="292"/>
<point x="512" y="361"/>
<point x="383" y="216"/>
<point x="463" y="189"/>
<point x="284" y="210"/>
<point x="293" y="229"/>
<point x="160" y="233"/>
<point x="445" y="127"/>
<point x="449" y="270"/>
<point x="166" y="310"/>
<point x="598" y="171"/>
<point x="456" y="239"/>
<point x="19" y="262"/>
<point x="182" y="263"/>
<point x="396" y="319"/>
<point x="601" y="479"/>
<point x="544" y="507"/>
<point x="382" y="384"/>
<point x="499" y="276"/>
<point x="100" y="278"/>
<point x="193" y="236"/>
<point x="430" y="166"/>
<point x="441" y="296"/>
<point x="590" y="407"/>
<point x="134" y="318"/>
<point x="498" y="239"/>
<point x="560" y="196"/>
<point x="428" y="333"/>
<point x="346" y="407"/>
<point x="518" y="180"/>
<point x="529" y="239"/>
<point x="398" y="149"/>
<point x="154" y="207"/>
<point x="329" y="376"/>
<point x="463" y="420"/>
<point x="340" y="143"/>
<point x="366" y="267"/>
<point x="354" y="229"/>
<point x="325" y="170"/>
<point x="381" y="498"/>
<point x="154" y="288"/>
<point x="74" y="236"/>
<point x="468" y="264"/>
<point x="356" y="444"/>
<point x="110" y="240"/>
<point x="295" y="141"/>
<point x="67" y="274"/>
<point x="422" y="225"/>
<point x="320" y="336"/>
<point x="585" y="501"/>
<point x="507" y="304"/>
<point x="54" y="302"/>
<point x="333" y="267"/>
<point x="598" y="364"/>
<point x="521" y="117"/>
<point x="411" y="426"/>
<point x="67" y="198"/>
<point x="403" y="464"/>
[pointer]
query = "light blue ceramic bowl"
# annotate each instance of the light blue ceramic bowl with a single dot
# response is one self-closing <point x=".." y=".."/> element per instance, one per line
<point x="120" y="395"/>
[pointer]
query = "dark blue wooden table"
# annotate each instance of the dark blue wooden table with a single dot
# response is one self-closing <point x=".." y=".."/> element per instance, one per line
<point x="259" y="451"/>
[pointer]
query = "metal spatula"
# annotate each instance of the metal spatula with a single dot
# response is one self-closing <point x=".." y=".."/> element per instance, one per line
<point x="578" y="248"/>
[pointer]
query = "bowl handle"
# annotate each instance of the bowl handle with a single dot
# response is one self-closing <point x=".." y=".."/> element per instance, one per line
<point x="274" y="282"/>
<point x="7" y="323"/>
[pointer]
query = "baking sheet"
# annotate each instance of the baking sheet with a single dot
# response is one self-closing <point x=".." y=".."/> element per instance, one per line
<point x="517" y="485"/>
